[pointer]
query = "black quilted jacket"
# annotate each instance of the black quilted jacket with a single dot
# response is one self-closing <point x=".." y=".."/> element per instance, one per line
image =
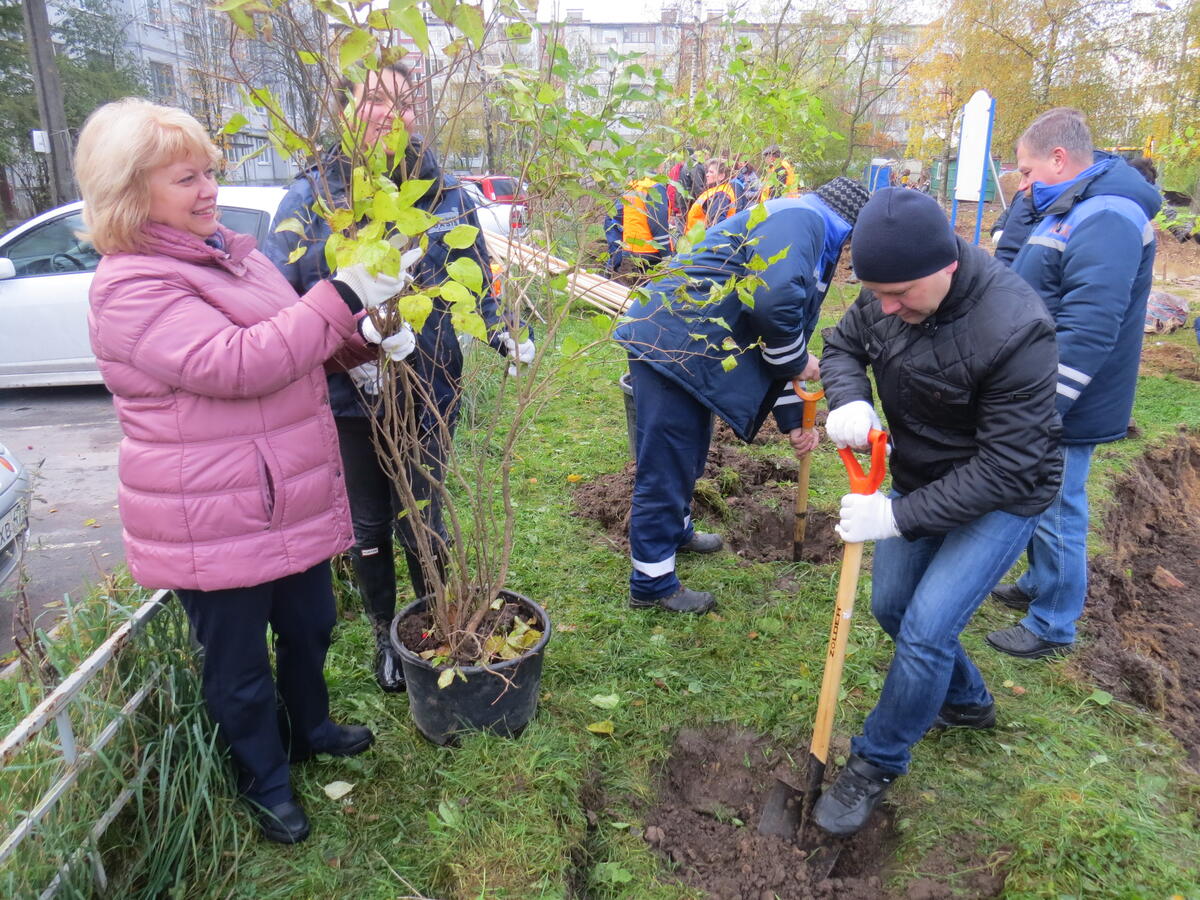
<point x="968" y="396"/>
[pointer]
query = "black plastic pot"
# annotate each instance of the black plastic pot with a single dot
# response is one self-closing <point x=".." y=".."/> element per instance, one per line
<point x="500" y="698"/>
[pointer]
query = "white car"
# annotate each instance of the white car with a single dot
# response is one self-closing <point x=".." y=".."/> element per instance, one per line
<point x="45" y="273"/>
<point x="14" y="513"/>
<point x="496" y="215"/>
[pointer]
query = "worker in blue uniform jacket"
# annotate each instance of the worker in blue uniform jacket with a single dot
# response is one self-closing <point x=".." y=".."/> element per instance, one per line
<point x="1090" y="256"/>
<point x="638" y="231"/>
<point x="437" y="362"/>
<point x="683" y="335"/>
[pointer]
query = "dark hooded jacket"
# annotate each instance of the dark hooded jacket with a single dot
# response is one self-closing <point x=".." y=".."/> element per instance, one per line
<point x="438" y="358"/>
<point x="692" y="325"/>
<point x="1091" y="258"/>
<point x="968" y="395"/>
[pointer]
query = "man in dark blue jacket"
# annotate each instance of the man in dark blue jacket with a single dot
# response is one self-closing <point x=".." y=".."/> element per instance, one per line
<point x="1090" y="256"/>
<point x="699" y="345"/>
<point x="375" y="507"/>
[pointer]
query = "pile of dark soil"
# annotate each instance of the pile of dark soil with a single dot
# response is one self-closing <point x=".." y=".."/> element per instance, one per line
<point x="1143" y="610"/>
<point x="705" y="822"/>
<point x="749" y="499"/>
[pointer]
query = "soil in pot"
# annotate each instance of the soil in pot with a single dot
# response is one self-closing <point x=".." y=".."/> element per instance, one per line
<point x="500" y="696"/>
<point x="749" y="499"/>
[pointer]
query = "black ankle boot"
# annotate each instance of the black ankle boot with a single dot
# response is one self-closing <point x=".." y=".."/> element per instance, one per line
<point x="388" y="671"/>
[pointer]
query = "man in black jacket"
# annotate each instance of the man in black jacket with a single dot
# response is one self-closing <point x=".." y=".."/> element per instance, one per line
<point x="963" y="353"/>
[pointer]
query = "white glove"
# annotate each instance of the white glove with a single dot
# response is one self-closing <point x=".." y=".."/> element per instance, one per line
<point x="849" y="424"/>
<point x="365" y="378"/>
<point x="996" y="235"/>
<point x="866" y="517"/>
<point x="397" y="346"/>
<point x="521" y="353"/>
<point x="375" y="290"/>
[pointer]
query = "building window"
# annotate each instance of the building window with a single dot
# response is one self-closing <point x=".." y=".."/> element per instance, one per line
<point x="162" y="81"/>
<point x="639" y="35"/>
<point x="154" y="14"/>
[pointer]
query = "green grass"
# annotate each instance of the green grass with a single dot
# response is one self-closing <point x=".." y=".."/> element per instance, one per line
<point x="1070" y="797"/>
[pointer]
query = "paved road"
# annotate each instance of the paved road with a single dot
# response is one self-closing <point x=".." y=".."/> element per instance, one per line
<point x="67" y="437"/>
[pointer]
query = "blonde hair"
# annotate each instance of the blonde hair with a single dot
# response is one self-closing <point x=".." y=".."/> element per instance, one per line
<point x="120" y="144"/>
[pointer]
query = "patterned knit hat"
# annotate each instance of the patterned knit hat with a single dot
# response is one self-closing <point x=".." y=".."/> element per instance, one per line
<point x="844" y="196"/>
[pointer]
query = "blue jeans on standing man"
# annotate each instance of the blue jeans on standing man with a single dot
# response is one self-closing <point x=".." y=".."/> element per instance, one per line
<point x="1056" y="580"/>
<point x="923" y="594"/>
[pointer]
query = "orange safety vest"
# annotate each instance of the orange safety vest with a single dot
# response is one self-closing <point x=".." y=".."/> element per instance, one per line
<point x="698" y="212"/>
<point x="785" y="187"/>
<point x="636" y="236"/>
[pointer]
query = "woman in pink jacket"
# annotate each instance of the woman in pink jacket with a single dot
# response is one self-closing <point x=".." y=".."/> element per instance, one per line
<point x="231" y="487"/>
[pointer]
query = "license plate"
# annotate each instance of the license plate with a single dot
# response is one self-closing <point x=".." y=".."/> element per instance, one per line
<point x="12" y="525"/>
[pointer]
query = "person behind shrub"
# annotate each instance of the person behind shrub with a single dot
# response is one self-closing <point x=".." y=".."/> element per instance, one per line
<point x="231" y="489"/>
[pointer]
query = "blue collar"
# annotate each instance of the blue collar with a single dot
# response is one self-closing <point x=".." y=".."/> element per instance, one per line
<point x="1045" y="194"/>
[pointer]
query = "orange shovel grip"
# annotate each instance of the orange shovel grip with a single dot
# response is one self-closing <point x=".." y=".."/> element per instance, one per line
<point x="869" y="482"/>
<point x="810" y="399"/>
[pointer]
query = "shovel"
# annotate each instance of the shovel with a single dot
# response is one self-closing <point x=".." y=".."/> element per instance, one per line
<point x="787" y="810"/>
<point x="810" y="399"/>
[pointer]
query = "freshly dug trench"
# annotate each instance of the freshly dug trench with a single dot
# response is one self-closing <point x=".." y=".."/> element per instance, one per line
<point x="749" y="499"/>
<point x="1143" y="609"/>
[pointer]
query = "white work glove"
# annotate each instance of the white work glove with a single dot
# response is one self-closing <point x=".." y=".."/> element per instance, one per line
<point x="521" y="353"/>
<point x="866" y="517"/>
<point x="397" y="346"/>
<point x="375" y="290"/>
<point x="996" y="235"/>
<point x="849" y="425"/>
<point x="365" y="378"/>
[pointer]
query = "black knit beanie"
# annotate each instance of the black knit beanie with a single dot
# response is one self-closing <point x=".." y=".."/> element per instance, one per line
<point x="901" y="235"/>
<point x="844" y="196"/>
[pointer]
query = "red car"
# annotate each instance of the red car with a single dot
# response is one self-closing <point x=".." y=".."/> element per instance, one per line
<point x="502" y="188"/>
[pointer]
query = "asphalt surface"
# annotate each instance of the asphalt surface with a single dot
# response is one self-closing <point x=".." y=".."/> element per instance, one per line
<point x="67" y="438"/>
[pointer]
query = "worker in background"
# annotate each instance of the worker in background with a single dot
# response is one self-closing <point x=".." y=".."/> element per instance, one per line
<point x="638" y="231"/>
<point x="779" y="178"/>
<point x="719" y="200"/>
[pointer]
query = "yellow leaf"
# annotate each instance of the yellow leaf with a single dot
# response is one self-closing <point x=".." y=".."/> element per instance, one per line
<point x="336" y="790"/>
<point x="296" y="254"/>
<point x="445" y="677"/>
<point x="89" y="523"/>
<point x="574" y="478"/>
<point x="605" y="727"/>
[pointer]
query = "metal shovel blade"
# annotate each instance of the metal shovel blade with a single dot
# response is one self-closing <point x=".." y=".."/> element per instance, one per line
<point x="782" y="812"/>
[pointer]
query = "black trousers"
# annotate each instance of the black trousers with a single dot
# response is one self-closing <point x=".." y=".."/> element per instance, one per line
<point x="242" y="696"/>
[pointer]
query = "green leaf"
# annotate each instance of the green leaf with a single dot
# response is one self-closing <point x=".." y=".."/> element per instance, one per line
<point x="449" y="813"/>
<point x="518" y="32"/>
<point x="235" y="124"/>
<point x="443" y="9"/>
<point x="412" y="191"/>
<point x="416" y="309"/>
<point x="1101" y="698"/>
<point x="729" y="363"/>
<point x="466" y="272"/>
<point x="413" y="221"/>
<point x="612" y="873"/>
<point x="296" y="254"/>
<point x="292" y="224"/>
<point x="356" y="45"/>
<point x="308" y="57"/>
<point x="445" y="677"/>
<point x="605" y="727"/>
<point x="605" y="701"/>
<point x="546" y="94"/>
<point x="456" y="295"/>
<point x="460" y="237"/>
<point x="469" y="20"/>
<point x="469" y="323"/>
<point x="757" y="215"/>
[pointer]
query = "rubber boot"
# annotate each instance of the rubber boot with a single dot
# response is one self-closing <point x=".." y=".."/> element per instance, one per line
<point x="416" y="575"/>
<point x="375" y="571"/>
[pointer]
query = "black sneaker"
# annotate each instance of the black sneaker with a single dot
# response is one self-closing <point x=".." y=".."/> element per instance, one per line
<point x="702" y="542"/>
<point x="847" y="804"/>
<point x="968" y="716"/>
<point x="1022" y="643"/>
<point x="1012" y="597"/>
<point x="683" y="600"/>
<point x="284" y="823"/>
<point x="349" y="740"/>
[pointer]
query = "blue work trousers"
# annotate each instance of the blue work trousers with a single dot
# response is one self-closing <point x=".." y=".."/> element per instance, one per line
<point x="674" y="430"/>
<point x="924" y="593"/>
<point x="1057" y="576"/>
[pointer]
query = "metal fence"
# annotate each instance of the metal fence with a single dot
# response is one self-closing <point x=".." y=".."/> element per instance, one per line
<point x="76" y="758"/>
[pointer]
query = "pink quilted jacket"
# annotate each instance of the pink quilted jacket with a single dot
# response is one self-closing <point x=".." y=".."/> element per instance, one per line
<point x="229" y="467"/>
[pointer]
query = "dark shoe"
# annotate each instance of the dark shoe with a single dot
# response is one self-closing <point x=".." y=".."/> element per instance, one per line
<point x="388" y="672"/>
<point x="1012" y="597"/>
<point x="1019" y="641"/>
<point x="845" y="807"/>
<point x="702" y="542"/>
<point x="284" y="823"/>
<point x="980" y="717"/>
<point x="683" y="600"/>
<point x="348" y="740"/>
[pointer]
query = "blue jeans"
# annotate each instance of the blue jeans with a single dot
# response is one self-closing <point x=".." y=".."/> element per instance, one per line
<point x="1057" y="574"/>
<point x="923" y="594"/>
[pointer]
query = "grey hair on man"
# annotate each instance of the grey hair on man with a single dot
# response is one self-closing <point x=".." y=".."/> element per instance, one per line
<point x="1059" y="127"/>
